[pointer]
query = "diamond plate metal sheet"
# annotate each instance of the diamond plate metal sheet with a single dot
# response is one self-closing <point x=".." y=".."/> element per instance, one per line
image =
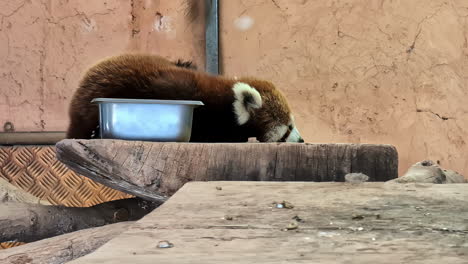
<point x="6" y="245"/>
<point x="36" y="170"/>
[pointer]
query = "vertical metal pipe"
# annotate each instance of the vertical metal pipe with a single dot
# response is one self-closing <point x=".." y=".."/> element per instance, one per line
<point x="212" y="37"/>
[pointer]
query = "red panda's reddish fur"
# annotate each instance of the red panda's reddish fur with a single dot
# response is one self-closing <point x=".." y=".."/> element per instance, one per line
<point x="141" y="76"/>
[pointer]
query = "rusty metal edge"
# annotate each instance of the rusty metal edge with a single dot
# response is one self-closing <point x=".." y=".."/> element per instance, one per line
<point x="212" y="37"/>
<point x="31" y="138"/>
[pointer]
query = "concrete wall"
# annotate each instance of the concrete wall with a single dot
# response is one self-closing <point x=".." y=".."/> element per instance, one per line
<point x="46" y="45"/>
<point x="361" y="71"/>
<point x="355" y="71"/>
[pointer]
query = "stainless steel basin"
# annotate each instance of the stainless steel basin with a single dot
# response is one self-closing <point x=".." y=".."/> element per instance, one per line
<point x="146" y="120"/>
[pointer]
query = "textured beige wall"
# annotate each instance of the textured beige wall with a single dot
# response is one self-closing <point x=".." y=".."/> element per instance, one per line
<point x="362" y="71"/>
<point x="374" y="71"/>
<point x="45" y="46"/>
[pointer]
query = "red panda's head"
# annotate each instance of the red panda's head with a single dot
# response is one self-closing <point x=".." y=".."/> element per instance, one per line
<point x="262" y="107"/>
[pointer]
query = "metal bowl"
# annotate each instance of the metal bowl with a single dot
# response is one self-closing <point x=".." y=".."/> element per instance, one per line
<point x="146" y="120"/>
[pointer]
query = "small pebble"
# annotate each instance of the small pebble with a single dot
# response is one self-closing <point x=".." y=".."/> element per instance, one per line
<point x="284" y="204"/>
<point x="292" y="226"/>
<point x="298" y="219"/>
<point x="165" y="244"/>
<point x="357" y="217"/>
<point x="228" y="217"/>
<point x="356" y="228"/>
<point x="356" y="177"/>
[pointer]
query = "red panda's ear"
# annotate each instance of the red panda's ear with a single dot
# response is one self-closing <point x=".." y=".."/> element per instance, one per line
<point x="246" y="100"/>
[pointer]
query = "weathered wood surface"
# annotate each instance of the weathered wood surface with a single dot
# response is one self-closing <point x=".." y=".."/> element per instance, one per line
<point x="341" y="223"/>
<point x="63" y="248"/>
<point x="155" y="171"/>
<point x="31" y="222"/>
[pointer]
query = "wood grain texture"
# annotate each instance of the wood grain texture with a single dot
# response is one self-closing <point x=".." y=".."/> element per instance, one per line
<point x="155" y="171"/>
<point x="63" y="248"/>
<point x="31" y="222"/>
<point x="340" y="223"/>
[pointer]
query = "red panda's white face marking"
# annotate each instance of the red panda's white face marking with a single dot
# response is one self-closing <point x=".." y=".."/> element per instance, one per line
<point x="246" y="100"/>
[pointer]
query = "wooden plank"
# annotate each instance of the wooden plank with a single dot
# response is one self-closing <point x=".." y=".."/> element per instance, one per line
<point x="341" y="223"/>
<point x="63" y="248"/>
<point x="155" y="170"/>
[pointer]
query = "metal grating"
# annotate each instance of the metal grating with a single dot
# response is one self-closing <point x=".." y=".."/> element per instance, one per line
<point x="36" y="170"/>
<point x="6" y="245"/>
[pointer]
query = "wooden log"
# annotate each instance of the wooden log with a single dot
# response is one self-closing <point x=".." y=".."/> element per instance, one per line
<point x="11" y="193"/>
<point x="31" y="222"/>
<point x="63" y="248"/>
<point x="155" y="171"/>
<point x="238" y="222"/>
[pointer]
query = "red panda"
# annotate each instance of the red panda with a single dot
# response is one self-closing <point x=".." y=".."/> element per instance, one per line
<point x="234" y="109"/>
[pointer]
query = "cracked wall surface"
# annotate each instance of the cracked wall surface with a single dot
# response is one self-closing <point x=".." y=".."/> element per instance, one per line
<point x="355" y="71"/>
<point x="360" y="71"/>
<point x="46" y="45"/>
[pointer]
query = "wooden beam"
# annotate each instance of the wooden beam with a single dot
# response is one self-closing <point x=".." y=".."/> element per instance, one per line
<point x="155" y="171"/>
<point x="238" y="222"/>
